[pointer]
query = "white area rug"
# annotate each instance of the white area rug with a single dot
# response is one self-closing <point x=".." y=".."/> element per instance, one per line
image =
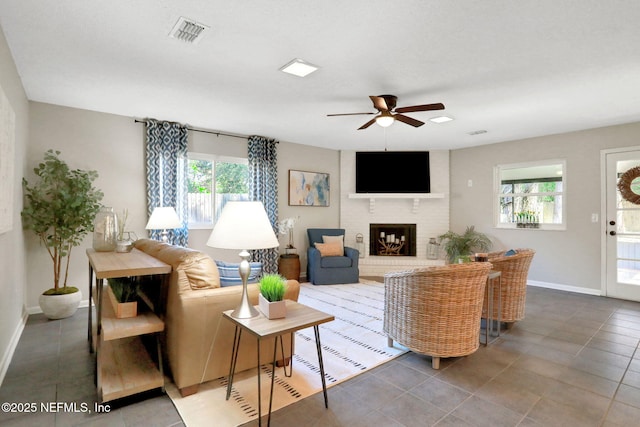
<point x="351" y="344"/>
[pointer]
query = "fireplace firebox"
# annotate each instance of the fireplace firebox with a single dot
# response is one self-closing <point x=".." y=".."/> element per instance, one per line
<point x="392" y="239"/>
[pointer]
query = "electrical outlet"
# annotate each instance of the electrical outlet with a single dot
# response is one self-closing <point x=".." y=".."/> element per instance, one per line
<point x="594" y="217"/>
<point x="470" y="183"/>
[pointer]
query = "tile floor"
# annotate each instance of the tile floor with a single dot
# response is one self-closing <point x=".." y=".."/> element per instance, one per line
<point x="572" y="362"/>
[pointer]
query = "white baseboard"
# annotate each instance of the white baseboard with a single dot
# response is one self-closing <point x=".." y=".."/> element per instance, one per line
<point x="36" y="310"/>
<point x="567" y="288"/>
<point x="13" y="343"/>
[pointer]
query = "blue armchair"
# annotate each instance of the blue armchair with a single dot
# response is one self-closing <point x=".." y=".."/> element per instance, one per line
<point x="330" y="270"/>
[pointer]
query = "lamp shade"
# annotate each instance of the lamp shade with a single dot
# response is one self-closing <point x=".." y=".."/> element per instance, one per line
<point x="243" y="225"/>
<point x="163" y="218"/>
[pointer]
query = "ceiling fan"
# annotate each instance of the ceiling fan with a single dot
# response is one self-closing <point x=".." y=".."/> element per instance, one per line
<point x="388" y="113"/>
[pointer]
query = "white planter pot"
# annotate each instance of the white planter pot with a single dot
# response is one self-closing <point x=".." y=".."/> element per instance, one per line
<point x="272" y="310"/>
<point x="60" y="306"/>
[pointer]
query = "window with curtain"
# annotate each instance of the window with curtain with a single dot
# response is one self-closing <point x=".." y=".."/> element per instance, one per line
<point x="213" y="181"/>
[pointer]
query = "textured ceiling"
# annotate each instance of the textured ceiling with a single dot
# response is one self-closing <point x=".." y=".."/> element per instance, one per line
<point x="516" y="69"/>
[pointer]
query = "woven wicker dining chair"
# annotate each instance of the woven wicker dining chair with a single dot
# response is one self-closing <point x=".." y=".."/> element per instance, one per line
<point x="436" y="311"/>
<point x="514" y="269"/>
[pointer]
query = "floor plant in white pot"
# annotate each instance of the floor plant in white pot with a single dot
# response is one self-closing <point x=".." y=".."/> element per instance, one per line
<point x="60" y="208"/>
<point x="271" y="299"/>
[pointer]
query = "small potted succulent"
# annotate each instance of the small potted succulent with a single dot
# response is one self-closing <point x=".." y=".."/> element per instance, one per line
<point x="271" y="299"/>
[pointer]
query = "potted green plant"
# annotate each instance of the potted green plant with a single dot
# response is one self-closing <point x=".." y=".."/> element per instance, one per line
<point x="271" y="299"/>
<point x="462" y="246"/>
<point x="123" y="295"/>
<point x="60" y="208"/>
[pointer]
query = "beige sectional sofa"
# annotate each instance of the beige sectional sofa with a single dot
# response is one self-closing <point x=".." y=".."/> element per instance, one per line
<point x="198" y="340"/>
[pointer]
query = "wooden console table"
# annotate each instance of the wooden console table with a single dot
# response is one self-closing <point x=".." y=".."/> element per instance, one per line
<point x="123" y="366"/>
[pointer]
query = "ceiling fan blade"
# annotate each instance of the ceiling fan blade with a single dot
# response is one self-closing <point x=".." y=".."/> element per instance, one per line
<point x="366" y="125"/>
<point x="347" y="114"/>
<point x="426" y="107"/>
<point x="379" y="103"/>
<point x="408" y="120"/>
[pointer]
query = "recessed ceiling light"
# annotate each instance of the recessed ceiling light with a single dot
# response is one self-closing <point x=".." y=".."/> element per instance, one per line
<point x="440" y="119"/>
<point x="188" y="30"/>
<point x="299" y="68"/>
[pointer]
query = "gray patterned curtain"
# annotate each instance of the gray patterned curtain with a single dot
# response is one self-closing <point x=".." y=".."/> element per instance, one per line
<point x="166" y="159"/>
<point x="263" y="187"/>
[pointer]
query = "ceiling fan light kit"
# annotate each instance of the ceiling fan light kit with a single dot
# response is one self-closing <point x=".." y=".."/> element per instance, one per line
<point x="385" y="119"/>
<point x="388" y="113"/>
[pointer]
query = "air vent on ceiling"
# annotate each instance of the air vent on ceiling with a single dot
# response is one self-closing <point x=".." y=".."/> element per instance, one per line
<point x="188" y="30"/>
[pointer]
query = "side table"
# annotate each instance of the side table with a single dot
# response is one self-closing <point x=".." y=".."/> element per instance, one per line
<point x="299" y="316"/>
<point x="289" y="266"/>
<point x="494" y="281"/>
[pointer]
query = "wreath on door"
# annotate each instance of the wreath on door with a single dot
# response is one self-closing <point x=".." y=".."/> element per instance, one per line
<point x="624" y="185"/>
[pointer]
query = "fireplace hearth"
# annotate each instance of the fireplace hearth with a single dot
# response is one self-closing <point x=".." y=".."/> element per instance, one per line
<point x="392" y="239"/>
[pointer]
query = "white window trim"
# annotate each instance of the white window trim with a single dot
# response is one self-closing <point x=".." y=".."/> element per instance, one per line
<point x="497" y="195"/>
<point x="212" y="158"/>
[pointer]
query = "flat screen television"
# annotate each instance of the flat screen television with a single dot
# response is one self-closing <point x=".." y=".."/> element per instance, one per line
<point x="392" y="172"/>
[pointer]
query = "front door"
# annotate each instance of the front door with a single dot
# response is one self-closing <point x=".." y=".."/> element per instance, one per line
<point x="622" y="227"/>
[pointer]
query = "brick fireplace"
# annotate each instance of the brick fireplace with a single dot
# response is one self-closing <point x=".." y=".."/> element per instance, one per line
<point x="430" y="215"/>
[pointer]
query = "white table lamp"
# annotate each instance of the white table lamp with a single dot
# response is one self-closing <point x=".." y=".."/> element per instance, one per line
<point x="164" y="218"/>
<point x="244" y="226"/>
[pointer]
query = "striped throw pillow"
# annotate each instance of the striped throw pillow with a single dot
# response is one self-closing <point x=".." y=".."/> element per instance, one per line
<point x="230" y="276"/>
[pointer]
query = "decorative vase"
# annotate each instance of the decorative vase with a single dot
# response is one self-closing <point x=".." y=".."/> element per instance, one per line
<point x="272" y="310"/>
<point x="125" y="244"/>
<point x="60" y="306"/>
<point x="105" y="227"/>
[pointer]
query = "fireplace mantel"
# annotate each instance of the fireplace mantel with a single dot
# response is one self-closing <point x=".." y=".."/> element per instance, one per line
<point x="415" y="196"/>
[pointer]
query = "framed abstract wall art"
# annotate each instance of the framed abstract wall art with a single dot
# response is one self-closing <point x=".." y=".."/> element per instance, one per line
<point x="308" y="188"/>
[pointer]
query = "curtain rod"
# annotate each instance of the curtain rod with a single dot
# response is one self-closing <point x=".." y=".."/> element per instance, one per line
<point x="213" y="132"/>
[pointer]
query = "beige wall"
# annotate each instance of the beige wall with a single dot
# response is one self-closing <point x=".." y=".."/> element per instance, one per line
<point x="564" y="259"/>
<point x="110" y="144"/>
<point x="114" y="146"/>
<point x="12" y="253"/>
